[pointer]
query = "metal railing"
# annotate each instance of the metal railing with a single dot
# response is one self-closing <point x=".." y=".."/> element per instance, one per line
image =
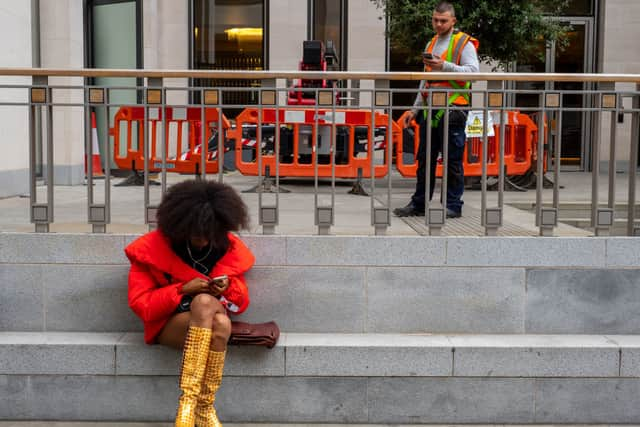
<point x="40" y="98"/>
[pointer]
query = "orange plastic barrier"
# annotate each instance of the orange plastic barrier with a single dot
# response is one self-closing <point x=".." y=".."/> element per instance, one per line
<point x="520" y="149"/>
<point x="300" y="139"/>
<point x="182" y="134"/>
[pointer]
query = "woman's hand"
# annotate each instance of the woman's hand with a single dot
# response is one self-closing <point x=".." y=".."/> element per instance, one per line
<point x="196" y="286"/>
<point x="218" y="286"/>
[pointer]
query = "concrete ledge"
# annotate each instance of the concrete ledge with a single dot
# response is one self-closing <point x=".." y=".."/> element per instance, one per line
<point x="346" y="284"/>
<point x="356" y="299"/>
<point x="381" y="400"/>
<point x="527" y="251"/>
<point x="594" y="252"/>
<point x="536" y="356"/>
<point x="331" y="378"/>
<point x="54" y="248"/>
<point x="333" y="355"/>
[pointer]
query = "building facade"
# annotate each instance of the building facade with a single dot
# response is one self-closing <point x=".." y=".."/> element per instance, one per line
<point x="258" y="35"/>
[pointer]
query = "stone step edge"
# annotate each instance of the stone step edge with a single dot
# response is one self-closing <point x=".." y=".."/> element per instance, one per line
<point x="334" y="355"/>
<point x="171" y="424"/>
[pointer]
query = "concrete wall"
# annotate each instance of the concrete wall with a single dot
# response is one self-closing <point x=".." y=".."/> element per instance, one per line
<point x="62" y="46"/>
<point x="334" y="284"/>
<point x="70" y="357"/>
<point x="287" y="31"/>
<point x="620" y="55"/>
<point x="366" y="51"/>
<point x="166" y="41"/>
<point x="15" y="51"/>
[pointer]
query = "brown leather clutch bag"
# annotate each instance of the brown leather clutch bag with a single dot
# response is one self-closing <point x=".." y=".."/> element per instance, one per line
<point x="263" y="334"/>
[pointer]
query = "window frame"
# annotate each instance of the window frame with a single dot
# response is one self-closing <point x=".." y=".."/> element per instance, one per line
<point x="344" y="20"/>
<point x="89" y="59"/>
<point x="265" y="32"/>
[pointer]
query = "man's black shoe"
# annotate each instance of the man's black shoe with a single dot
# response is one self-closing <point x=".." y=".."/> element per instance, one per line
<point x="409" y="210"/>
<point x="453" y="214"/>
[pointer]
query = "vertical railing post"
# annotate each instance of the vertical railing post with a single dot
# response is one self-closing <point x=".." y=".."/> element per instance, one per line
<point x="98" y="213"/>
<point x="434" y="217"/>
<point x="268" y="213"/>
<point x="492" y="216"/>
<point x="632" y="230"/>
<point x="40" y="96"/>
<point x="324" y="214"/>
<point x="606" y="217"/>
<point x="488" y="231"/>
<point x="381" y="216"/>
<point x="546" y="218"/>
<point x="154" y="95"/>
<point x="602" y="218"/>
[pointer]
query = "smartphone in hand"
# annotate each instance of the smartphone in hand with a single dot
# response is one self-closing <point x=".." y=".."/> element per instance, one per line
<point x="219" y="283"/>
<point x="427" y="55"/>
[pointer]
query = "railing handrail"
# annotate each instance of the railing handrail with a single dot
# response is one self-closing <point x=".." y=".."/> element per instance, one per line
<point x="328" y="75"/>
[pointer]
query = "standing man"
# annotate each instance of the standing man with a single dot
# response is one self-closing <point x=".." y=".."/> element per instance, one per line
<point x="449" y="51"/>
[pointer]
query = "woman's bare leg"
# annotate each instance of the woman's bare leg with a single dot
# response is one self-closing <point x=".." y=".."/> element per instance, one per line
<point x="206" y="312"/>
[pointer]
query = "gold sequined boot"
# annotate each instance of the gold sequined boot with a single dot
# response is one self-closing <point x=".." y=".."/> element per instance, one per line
<point x="194" y="362"/>
<point x="206" y="415"/>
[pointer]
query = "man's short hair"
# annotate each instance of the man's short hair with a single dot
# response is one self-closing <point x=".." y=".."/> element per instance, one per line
<point x="444" y="7"/>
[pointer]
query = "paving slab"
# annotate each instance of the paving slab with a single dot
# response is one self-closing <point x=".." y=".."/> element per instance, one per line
<point x="352" y="213"/>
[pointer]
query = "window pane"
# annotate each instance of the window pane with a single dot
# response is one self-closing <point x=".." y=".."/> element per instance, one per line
<point x="228" y="35"/>
<point x="113" y="37"/>
<point x="579" y="8"/>
<point x="328" y="24"/>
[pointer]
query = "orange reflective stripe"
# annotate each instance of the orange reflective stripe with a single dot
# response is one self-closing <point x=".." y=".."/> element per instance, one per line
<point x="452" y="54"/>
<point x="459" y="46"/>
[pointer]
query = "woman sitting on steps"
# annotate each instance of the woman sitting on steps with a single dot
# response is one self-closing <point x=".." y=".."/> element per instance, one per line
<point x="173" y="290"/>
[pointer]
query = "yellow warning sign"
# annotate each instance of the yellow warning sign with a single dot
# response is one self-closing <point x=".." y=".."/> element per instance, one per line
<point x="475" y="123"/>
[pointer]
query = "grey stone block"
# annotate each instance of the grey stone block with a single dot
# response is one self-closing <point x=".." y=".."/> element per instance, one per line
<point x="526" y="251"/>
<point x="58" y="248"/>
<point x="32" y="353"/>
<point x="88" y="298"/>
<point x="22" y="302"/>
<point x="268" y="250"/>
<point x="153" y="399"/>
<point x="442" y="300"/>
<point x="623" y="252"/>
<point x="583" y="302"/>
<point x="535" y="356"/>
<point x="89" y="398"/>
<point x="14" y="398"/>
<point x="368" y="355"/>
<point x="567" y="400"/>
<point x="629" y="354"/>
<point x="311" y="299"/>
<point x="451" y="400"/>
<point x="293" y="400"/>
<point x="136" y="358"/>
<point x="366" y="250"/>
<point x="128" y="239"/>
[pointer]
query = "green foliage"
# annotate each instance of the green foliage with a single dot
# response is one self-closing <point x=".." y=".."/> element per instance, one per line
<point x="507" y="29"/>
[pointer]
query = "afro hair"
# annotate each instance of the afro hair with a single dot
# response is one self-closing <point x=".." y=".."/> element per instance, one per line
<point x="201" y="208"/>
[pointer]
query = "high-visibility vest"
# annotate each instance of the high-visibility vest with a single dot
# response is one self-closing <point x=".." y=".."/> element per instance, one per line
<point x="453" y="53"/>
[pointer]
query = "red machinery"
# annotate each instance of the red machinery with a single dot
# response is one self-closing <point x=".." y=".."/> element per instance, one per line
<point x="314" y="58"/>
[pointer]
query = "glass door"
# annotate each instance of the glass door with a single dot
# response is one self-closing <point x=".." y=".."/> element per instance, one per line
<point x="229" y="35"/>
<point x="576" y="57"/>
<point x="114" y="41"/>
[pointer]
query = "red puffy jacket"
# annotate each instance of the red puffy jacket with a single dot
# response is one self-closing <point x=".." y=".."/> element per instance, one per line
<point x="157" y="275"/>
